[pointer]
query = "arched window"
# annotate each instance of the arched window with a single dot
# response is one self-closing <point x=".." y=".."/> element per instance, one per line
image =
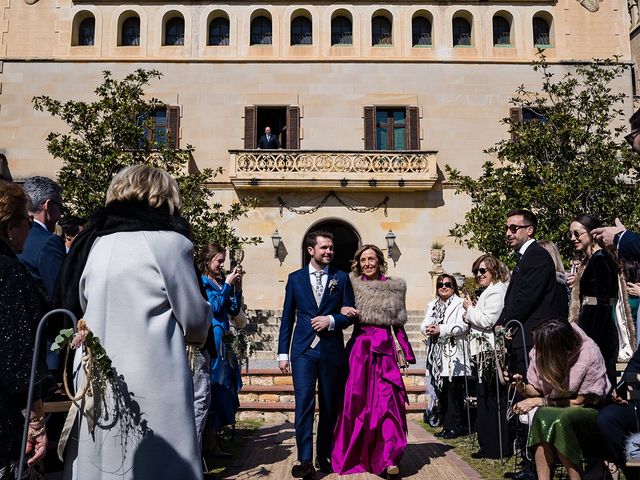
<point x="174" y="31"/>
<point x="501" y="31"/>
<point x="301" y="31"/>
<point x="261" y="31"/>
<point x="341" y="31"/>
<point x="381" y="31"/>
<point x="541" y="32"/>
<point x="219" y="31"/>
<point x="87" y="31"/>
<point x="461" y="32"/>
<point x="131" y="32"/>
<point x="421" y="31"/>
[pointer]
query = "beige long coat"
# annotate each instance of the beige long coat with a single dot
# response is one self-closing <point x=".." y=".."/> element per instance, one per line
<point x="141" y="297"/>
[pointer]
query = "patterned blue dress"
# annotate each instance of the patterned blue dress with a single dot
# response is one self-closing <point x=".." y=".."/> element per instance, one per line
<point x="225" y="369"/>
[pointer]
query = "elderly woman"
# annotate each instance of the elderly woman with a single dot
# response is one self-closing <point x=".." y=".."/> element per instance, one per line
<point x="595" y="290"/>
<point x="371" y="432"/>
<point x="566" y="371"/>
<point x="22" y="304"/>
<point x="482" y="316"/>
<point x="131" y="274"/>
<point x="444" y="325"/>
<point x="225" y="296"/>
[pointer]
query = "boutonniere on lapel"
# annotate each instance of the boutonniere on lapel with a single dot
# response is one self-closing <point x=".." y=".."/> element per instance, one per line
<point x="332" y="285"/>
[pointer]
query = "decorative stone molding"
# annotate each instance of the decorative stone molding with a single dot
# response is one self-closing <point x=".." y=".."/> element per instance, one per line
<point x="347" y="170"/>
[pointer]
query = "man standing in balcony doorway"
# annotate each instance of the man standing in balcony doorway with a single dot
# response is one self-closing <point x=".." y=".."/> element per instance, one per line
<point x="313" y="299"/>
<point x="268" y="141"/>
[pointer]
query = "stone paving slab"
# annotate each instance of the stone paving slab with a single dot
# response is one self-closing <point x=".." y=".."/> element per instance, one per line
<point x="271" y="453"/>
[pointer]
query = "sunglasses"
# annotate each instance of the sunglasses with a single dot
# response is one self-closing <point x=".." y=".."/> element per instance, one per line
<point x="631" y="136"/>
<point x="514" y="228"/>
<point x="444" y="285"/>
<point x="480" y="271"/>
<point x="575" y="234"/>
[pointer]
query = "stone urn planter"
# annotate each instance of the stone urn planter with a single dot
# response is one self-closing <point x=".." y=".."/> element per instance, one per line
<point x="437" y="257"/>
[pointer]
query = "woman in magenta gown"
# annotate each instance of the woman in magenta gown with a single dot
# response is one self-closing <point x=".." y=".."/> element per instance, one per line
<point x="371" y="432"/>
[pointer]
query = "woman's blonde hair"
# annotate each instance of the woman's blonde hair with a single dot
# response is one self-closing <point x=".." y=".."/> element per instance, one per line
<point x="147" y="184"/>
<point x="551" y="247"/>
<point x="355" y="265"/>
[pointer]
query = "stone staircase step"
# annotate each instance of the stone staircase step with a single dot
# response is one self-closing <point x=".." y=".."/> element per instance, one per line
<point x="288" y="389"/>
<point x="290" y="407"/>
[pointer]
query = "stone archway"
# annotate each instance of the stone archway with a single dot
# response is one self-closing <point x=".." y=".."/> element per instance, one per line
<point x="346" y="241"/>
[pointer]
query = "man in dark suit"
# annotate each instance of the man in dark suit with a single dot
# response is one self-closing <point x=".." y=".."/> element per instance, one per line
<point x="44" y="251"/>
<point x="268" y="141"/>
<point x="311" y="328"/>
<point x="534" y="294"/>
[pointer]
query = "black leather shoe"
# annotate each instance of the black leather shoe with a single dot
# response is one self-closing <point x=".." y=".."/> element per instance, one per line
<point x="304" y="470"/>
<point x="478" y="454"/>
<point x="525" y="475"/>
<point x="449" y="435"/>
<point x="323" y="465"/>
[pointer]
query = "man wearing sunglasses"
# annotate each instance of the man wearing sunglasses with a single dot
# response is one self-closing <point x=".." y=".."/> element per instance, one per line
<point x="532" y="297"/>
<point x="533" y="294"/>
<point x="43" y="251"/>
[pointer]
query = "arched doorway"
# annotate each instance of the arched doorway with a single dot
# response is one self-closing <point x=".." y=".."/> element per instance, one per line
<point x="345" y="240"/>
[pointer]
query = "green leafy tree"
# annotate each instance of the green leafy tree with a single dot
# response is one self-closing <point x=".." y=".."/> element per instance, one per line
<point x="569" y="159"/>
<point x="116" y="131"/>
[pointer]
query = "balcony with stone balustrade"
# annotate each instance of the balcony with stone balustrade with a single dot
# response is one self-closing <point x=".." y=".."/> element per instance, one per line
<point x="396" y="170"/>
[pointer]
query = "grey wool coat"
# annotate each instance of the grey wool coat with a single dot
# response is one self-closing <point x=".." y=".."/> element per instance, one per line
<point x="142" y="298"/>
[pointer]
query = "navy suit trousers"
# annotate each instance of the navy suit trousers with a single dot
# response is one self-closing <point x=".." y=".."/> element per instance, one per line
<point x="308" y="369"/>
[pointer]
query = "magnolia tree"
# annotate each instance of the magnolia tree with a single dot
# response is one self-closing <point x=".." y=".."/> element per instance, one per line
<point x="115" y="131"/>
<point x="566" y="157"/>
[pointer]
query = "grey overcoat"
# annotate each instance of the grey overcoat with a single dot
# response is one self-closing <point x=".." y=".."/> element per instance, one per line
<point x="141" y="297"/>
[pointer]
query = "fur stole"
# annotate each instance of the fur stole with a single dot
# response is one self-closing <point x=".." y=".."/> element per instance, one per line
<point x="380" y="303"/>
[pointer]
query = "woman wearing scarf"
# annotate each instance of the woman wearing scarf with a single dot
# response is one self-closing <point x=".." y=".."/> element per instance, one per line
<point x="371" y="432"/>
<point x="444" y="325"/>
<point x="131" y="276"/>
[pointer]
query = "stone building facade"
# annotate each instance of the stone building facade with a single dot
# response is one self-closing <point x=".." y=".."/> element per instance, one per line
<point x="369" y="100"/>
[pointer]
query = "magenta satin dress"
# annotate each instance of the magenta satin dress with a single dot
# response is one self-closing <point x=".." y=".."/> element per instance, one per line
<point x="371" y="433"/>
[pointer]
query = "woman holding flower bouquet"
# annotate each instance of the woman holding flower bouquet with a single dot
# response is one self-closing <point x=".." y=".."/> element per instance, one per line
<point x="131" y="275"/>
<point x="481" y="316"/>
<point x="225" y="296"/>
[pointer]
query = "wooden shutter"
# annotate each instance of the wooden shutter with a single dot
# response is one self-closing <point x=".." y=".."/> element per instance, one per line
<point x="293" y="127"/>
<point x="173" y="126"/>
<point x="250" y="118"/>
<point x="369" y="128"/>
<point x="413" y="128"/>
<point x="515" y="114"/>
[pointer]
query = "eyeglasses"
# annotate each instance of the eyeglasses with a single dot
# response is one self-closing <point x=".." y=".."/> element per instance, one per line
<point x="480" y="271"/>
<point x="444" y="285"/>
<point x="514" y="228"/>
<point x="632" y="136"/>
<point x="575" y="234"/>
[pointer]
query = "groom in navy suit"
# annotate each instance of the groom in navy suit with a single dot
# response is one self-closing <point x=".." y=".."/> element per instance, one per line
<point x="311" y="328"/>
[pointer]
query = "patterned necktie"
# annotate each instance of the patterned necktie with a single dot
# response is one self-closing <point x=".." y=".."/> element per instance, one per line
<point x="319" y="289"/>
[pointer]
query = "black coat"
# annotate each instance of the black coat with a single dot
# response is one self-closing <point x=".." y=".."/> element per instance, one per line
<point x="600" y="280"/>
<point x="533" y="296"/>
<point x="22" y="304"/>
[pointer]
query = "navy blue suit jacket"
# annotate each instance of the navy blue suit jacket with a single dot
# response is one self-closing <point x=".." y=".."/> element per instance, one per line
<point x="629" y="245"/>
<point x="300" y="307"/>
<point x="43" y="255"/>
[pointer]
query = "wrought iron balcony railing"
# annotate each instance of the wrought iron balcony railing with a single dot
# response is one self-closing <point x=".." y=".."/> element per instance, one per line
<point x="349" y="170"/>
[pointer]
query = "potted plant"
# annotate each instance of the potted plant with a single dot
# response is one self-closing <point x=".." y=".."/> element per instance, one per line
<point x="437" y="256"/>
